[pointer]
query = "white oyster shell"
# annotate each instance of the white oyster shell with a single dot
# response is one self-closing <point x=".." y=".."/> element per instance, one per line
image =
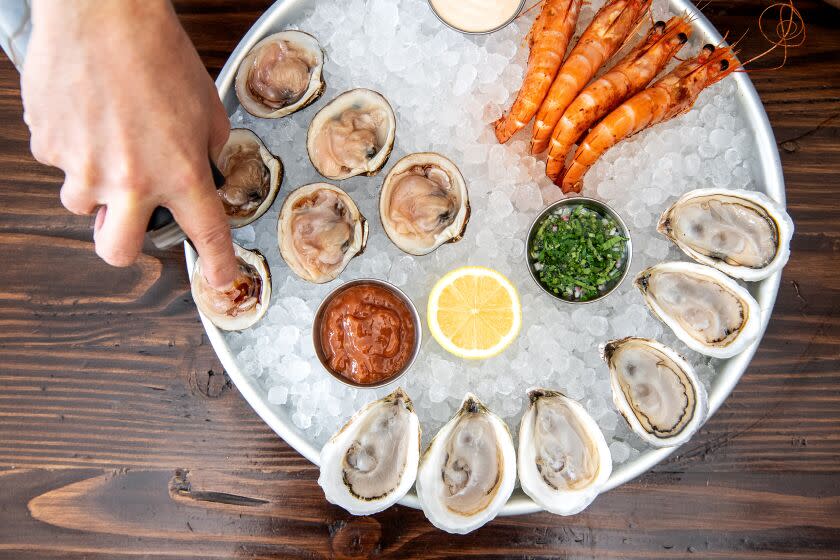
<point x="744" y="234"/>
<point x="320" y="229"/>
<point x="711" y="313"/>
<point x="655" y="390"/>
<point x="352" y="135"/>
<point x="371" y="462"/>
<point x="563" y="459"/>
<point x="286" y="68"/>
<point x="424" y="203"/>
<point x="220" y="310"/>
<point x="468" y="471"/>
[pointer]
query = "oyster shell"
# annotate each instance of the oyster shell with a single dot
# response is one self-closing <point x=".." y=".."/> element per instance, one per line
<point x="742" y="233"/>
<point x="252" y="177"/>
<point x="371" y="462"/>
<point x="245" y="303"/>
<point x="563" y="458"/>
<point x="468" y="471"/>
<point x="280" y="75"/>
<point x="351" y="135"/>
<point x="706" y="309"/>
<point x="319" y="230"/>
<point x="655" y="390"/>
<point x="424" y="203"/>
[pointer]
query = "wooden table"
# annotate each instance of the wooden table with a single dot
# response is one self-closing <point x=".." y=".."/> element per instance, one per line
<point x="120" y="435"/>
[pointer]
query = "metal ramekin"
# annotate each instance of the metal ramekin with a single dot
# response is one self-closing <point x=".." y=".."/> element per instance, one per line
<point x="319" y="315"/>
<point x="459" y="30"/>
<point x="599" y="207"/>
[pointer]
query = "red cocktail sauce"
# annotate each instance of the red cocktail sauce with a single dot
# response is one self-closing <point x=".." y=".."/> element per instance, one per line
<point x="367" y="334"/>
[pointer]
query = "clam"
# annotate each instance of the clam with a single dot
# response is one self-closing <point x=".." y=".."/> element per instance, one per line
<point x="252" y="177"/>
<point x="706" y="309"/>
<point x="245" y="302"/>
<point x="563" y="458"/>
<point x="352" y="135"/>
<point x="371" y="462"/>
<point x="742" y="233"/>
<point x="319" y="231"/>
<point x="468" y="471"/>
<point x="280" y="75"/>
<point x="656" y="390"/>
<point x="424" y="203"/>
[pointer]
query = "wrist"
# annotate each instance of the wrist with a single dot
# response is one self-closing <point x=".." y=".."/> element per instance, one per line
<point x="96" y="15"/>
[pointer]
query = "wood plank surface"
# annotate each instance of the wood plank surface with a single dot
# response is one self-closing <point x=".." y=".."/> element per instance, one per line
<point x="121" y="437"/>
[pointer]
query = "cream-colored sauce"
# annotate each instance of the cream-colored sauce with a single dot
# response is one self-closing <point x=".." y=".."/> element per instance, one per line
<point x="475" y="15"/>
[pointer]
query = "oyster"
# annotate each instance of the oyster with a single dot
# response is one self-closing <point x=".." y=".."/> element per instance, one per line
<point x="352" y="135"/>
<point x="742" y="233"/>
<point x="706" y="309"/>
<point x="655" y="390"/>
<point x="252" y="177"/>
<point x="320" y="229"/>
<point x="468" y="471"/>
<point x="563" y="458"/>
<point x="424" y="203"/>
<point x="245" y="302"/>
<point x="280" y="75"/>
<point x="370" y="463"/>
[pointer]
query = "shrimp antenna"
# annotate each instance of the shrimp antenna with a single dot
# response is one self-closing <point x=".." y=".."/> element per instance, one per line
<point x="788" y="33"/>
<point x="526" y="10"/>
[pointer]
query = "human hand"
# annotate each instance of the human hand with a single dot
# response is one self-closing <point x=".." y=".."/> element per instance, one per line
<point x="115" y="95"/>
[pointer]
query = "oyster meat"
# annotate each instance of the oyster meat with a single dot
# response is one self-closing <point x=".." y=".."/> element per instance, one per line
<point x="742" y="233"/>
<point x="563" y="458"/>
<point x="245" y="302"/>
<point x="424" y="203"/>
<point x="468" y="471"/>
<point x="252" y="177"/>
<point x="706" y="309"/>
<point x="655" y="390"/>
<point x="320" y="229"/>
<point x="371" y="463"/>
<point x="352" y="135"/>
<point x="280" y="75"/>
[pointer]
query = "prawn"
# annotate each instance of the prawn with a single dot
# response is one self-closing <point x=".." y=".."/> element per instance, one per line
<point x="627" y="77"/>
<point x="672" y="95"/>
<point x="602" y="38"/>
<point x="548" y="39"/>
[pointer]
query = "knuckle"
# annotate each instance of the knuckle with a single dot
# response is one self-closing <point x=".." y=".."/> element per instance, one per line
<point x="214" y="237"/>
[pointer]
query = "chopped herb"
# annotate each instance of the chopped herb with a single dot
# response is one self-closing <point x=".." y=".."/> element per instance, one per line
<point x="578" y="253"/>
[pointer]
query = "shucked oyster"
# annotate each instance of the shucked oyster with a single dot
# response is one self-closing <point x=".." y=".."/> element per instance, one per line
<point x="252" y="177"/>
<point x="320" y="229"/>
<point x="563" y="458"/>
<point x="370" y="463"/>
<point x="245" y="302"/>
<point x="352" y="135"/>
<point x="424" y="203"/>
<point x="468" y="472"/>
<point x="655" y="390"/>
<point x="706" y="309"/>
<point x="742" y="233"/>
<point x="280" y="75"/>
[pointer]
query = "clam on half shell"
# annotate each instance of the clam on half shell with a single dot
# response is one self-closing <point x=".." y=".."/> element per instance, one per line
<point x="319" y="231"/>
<point x="468" y="471"/>
<point x="252" y="177"/>
<point x="245" y="303"/>
<point x="280" y="75"/>
<point x="655" y="390"/>
<point x="563" y="458"/>
<point x="742" y="233"/>
<point x="705" y="308"/>
<point x="371" y="462"/>
<point x="352" y="135"/>
<point x="424" y="203"/>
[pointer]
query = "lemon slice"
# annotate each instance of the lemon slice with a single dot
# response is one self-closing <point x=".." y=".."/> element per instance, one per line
<point x="474" y="312"/>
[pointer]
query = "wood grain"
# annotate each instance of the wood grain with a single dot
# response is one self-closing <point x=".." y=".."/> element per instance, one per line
<point x="120" y="436"/>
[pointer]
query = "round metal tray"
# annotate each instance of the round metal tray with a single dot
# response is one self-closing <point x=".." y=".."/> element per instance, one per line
<point x="770" y="170"/>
